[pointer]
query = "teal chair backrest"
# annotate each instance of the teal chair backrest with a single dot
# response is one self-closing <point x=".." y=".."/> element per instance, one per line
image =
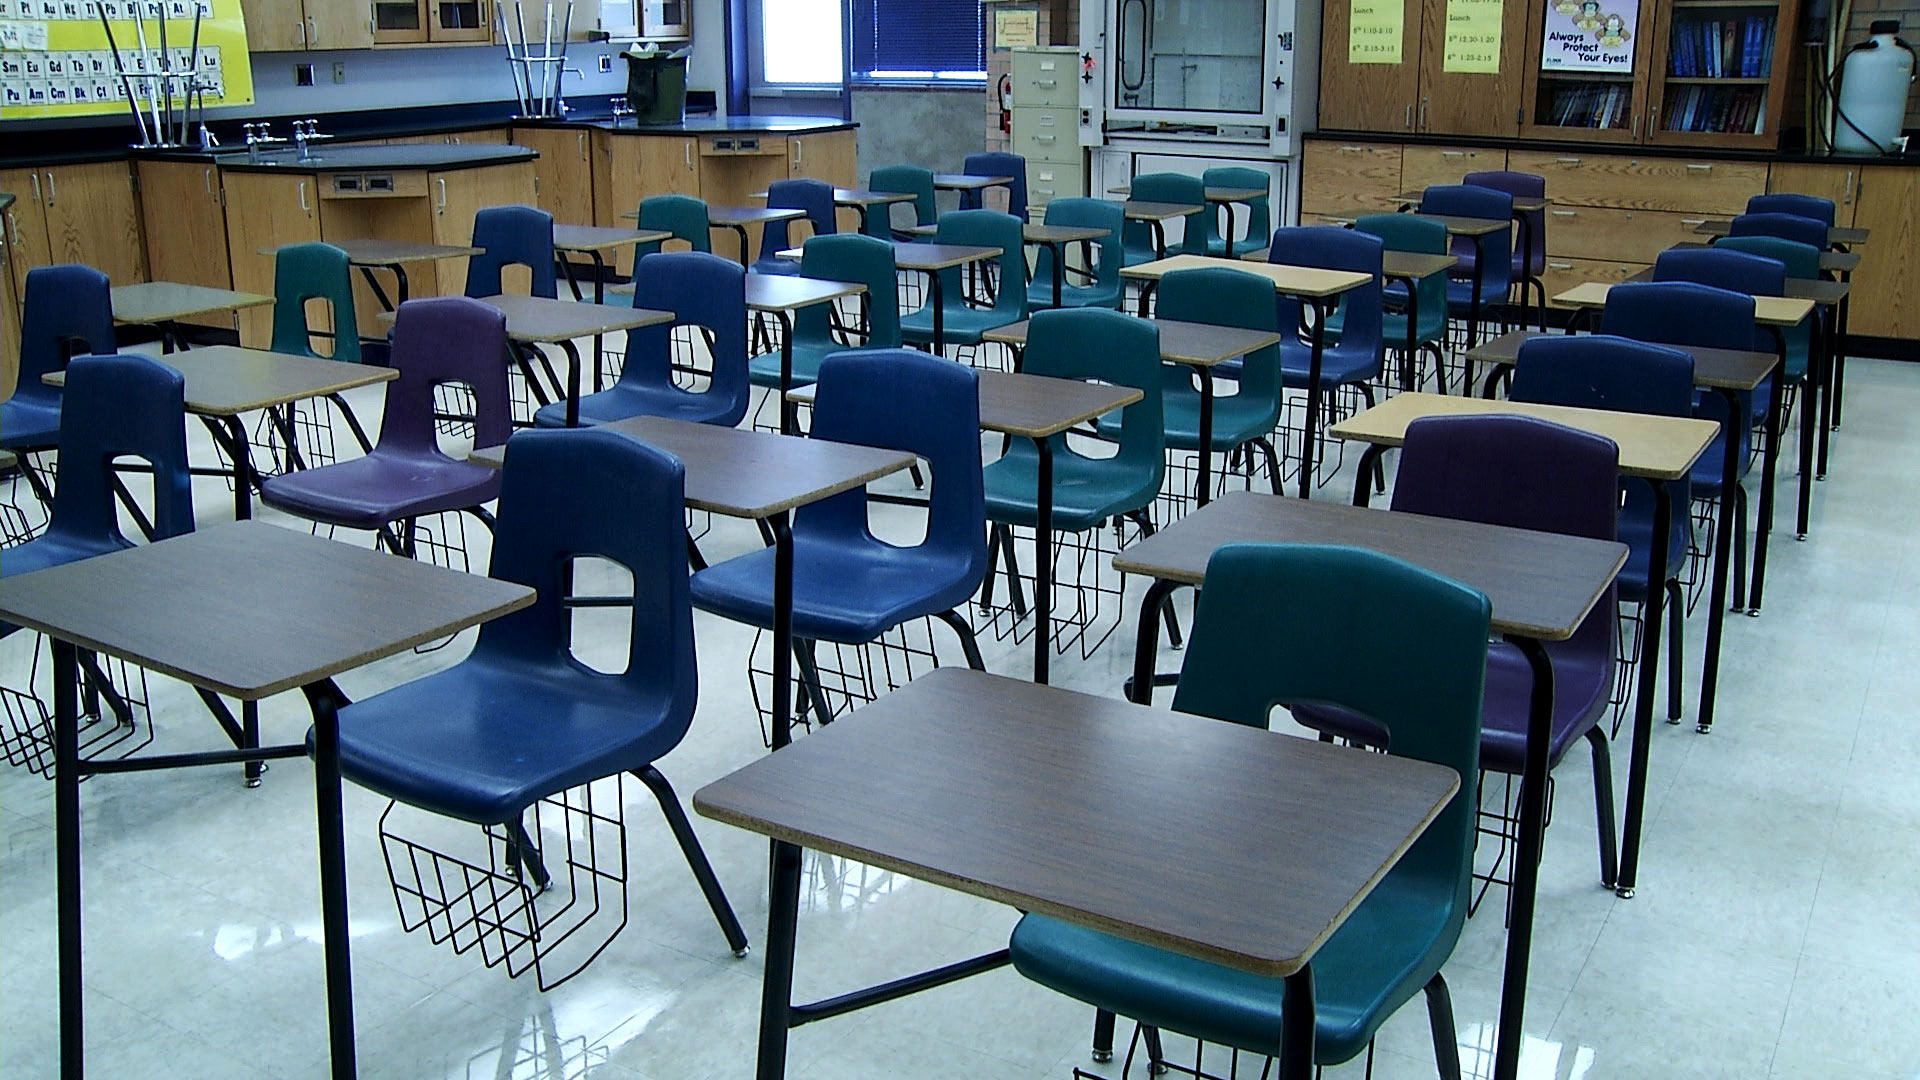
<point x="1405" y="232"/>
<point x="903" y="180"/>
<point x="1294" y="623"/>
<point x="1226" y="298"/>
<point x="304" y="272"/>
<point x="1094" y="343"/>
<point x="1088" y="214"/>
<point x="682" y="215"/>
<point x="1259" y="212"/>
<point x="987" y="228"/>
<point x="859" y="259"/>
<point x="1171" y="188"/>
<point x="1801" y="260"/>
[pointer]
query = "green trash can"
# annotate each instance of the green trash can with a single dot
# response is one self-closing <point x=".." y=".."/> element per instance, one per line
<point x="657" y="86"/>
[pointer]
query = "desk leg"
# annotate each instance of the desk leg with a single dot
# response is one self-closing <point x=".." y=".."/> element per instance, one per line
<point x="1810" y="421"/>
<point x="1146" y="644"/>
<point x="1363" y="480"/>
<point x="1205" y="494"/>
<point x="1227" y="247"/>
<point x="1159" y="238"/>
<point x="1321" y="309"/>
<point x="1526" y="866"/>
<point x="573" y="382"/>
<point x="1296" y="1026"/>
<point x="782" y="649"/>
<point x="776" y="989"/>
<point x="938" y="298"/>
<point x="234" y="441"/>
<point x="380" y="294"/>
<point x="1479" y="275"/>
<point x="1146" y="296"/>
<point x="744" y="249"/>
<point x="1722" y="550"/>
<point x="1839" y="355"/>
<point x="1043" y="562"/>
<point x="599" y="297"/>
<point x="66" y="817"/>
<point x="324" y="700"/>
<point x="1835" y="343"/>
<point x="1059" y="270"/>
<point x="788" y="410"/>
<point x="1644" y="694"/>
<point x="1408" y="359"/>
<point x="1764" y="525"/>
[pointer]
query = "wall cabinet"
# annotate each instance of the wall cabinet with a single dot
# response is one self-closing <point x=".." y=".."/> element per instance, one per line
<point x="76" y="214"/>
<point x="563" y="173"/>
<point x="293" y="25"/>
<point x="183" y="207"/>
<point x="1418" y="94"/>
<point x="1841" y="183"/>
<point x="1886" y="288"/>
<point x="265" y="211"/>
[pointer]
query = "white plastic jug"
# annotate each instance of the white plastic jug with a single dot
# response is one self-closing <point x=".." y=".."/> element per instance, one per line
<point x="1873" y="91"/>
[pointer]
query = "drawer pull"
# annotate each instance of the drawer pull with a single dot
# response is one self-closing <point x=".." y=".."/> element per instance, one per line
<point x="1696" y="221"/>
<point x="1699" y="166"/>
<point x="1559" y="266"/>
<point x="1566" y="161"/>
<point x="1453" y="153"/>
<point x="1046" y="138"/>
<point x="1563" y="213"/>
<point x="1356" y="149"/>
<point x="1047" y="83"/>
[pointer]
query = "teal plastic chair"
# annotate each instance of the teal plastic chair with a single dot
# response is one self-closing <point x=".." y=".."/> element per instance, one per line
<point x="306" y="272"/>
<point x="1105" y="290"/>
<point x="1259" y="211"/>
<point x="1802" y="261"/>
<point x="1283" y="623"/>
<point x="1137" y="237"/>
<point x="963" y="325"/>
<point x="905" y="180"/>
<point x="1403" y="329"/>
<point x="839" y="257"/>
<point x="682" y="215"/>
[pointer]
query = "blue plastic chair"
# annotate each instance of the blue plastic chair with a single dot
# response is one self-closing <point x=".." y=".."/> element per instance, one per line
<point x="1806" y="206"/>
<point x="1354" y="346"/>
<point x="1786" y="226"/>
<point x="1106" y="289"/>
<point x="963" y="325"/>
<point x="1754" y="275"/>
<point x="1259" y="210"/>
<point x="1531" y="261"/>
<point x="702" y="290"/>
<point x="521" y="719"/>
<point x="436" y="342"/>
<point x="1137" y="237"/>
<point x="849" y="586"/>
<point x="812" y="196"/>
<point x="1496" y="282"/>
<point x="511" y="236"/>
<point x="1281" y="623"/>
<point x="903" y="180"/>
<point x="1416" y="324"/>
<point x="682" y="215"/>
<point x="67" y="311"/>
<point x="1606" y="372"/>
<point x="997" y="163"/>
<point x="842" y="257"/>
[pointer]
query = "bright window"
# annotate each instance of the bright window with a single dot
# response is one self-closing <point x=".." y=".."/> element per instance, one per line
<point x="919" y="41"/>
<point x="800" y="42"/>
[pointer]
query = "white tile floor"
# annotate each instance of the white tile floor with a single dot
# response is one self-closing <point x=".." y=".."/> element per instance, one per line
<point x="1774" y="933"/>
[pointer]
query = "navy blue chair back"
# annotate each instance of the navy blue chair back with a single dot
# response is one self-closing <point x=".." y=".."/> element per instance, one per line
<point x="1806" y="206"/>
<point x="812" y="196"/>
<point x="1330" y="247"/>
<point x="67" y="311"/>
<point x="1463" y="200"/>
<point x="1723" y="268"/>
<point x="997" y="163"/>
<point x="1529" y="185"/>
<point x="704" y="290"/>
<point x="120" y="406"/>
<point x="511" y="236"/>
<point x="1786" y="226"/>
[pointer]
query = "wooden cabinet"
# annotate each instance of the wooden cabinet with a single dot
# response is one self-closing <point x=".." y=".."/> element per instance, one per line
<point x="265" y="211"/>
<point x="183" y="209"/>
<point x="1369" y="96"/>
<point x="628" y="168"/>
<point x="1692" y="185"/>
<point x="1736" y="98"/>
<point x="830" y="157"/>
<point x="1841" y="183"/>
<point x="291" y="25"/>
<point x="26" y="227"/>
<point x="1417" y="93"/>
<point x="460" y="20"/>
<point x="1425" y="166"/>
<point x="1349" y="178"/>
<point x="399" y="22"/>
<point x="563" y="173"/>
<point x="9" y="316"/>
<point x="76" y="214"/>
<point x="458" y="195"/>
<point x="1472" y="103"/>
<point x="1886" y="287"/>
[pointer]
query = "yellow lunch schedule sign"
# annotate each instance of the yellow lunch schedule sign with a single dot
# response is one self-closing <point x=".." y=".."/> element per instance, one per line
<point x="1473" y="37"/>
<point x="1374" y="31"/>
<point x="56" y="58"/>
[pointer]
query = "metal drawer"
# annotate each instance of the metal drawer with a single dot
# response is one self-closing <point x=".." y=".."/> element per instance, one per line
<point x="1046" y="77"/>
<point x="1045" y="134"/>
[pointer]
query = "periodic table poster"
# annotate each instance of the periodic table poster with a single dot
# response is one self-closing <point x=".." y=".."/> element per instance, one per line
<point x="55" y="59"/>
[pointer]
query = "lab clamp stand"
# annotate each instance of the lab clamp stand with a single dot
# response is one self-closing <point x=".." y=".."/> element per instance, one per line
<point x="537" y="79"/>
<point x="169" y="127"/>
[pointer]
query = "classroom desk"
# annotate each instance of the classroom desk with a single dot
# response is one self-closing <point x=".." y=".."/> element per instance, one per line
<point x="1156" y="215"/>
<point x="1014" y="803"/>
<point x="780" y="296"/>
<point x="393" y="256"/>
<point x="224" y="381"/>
<point x="1216" y="195"/>
<point x="1522" y="204"/>
<point x="1831" y="261"/>
<point x="928" y="259"/>
<point x="1475" y="229"/>
<point x="1656" y="448"/>
<point x="1054" y="238"/>
<point x="861" y="201"/>
<point x="1842" y="235"/>
<point x="764" y="477"/>
<point x="1200" y="346"/>
<point x="1035" y="407"/>
<point x="737" y="218"/>
<point x="272" y="610"/>
<point x="1541" y="586"/>
<point x="1727" y="372"/>
<point x="593" y="241"/>
<point x="968" y="182"/>
<point x="1409" y="268"/>
<point x="1320" y="289"/>
<point x="162" y="304"/>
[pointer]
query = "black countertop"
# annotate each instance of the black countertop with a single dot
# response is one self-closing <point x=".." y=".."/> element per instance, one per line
<point x="705" y="125"/>
<point x="438" y="157"/>
<point x="1564" y="146"/>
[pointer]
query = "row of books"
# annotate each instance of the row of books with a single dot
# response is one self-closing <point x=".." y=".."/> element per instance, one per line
<point x="1722" y="48"/>
<point x="1737" y="109"/>
<point x="1589" y="106"/>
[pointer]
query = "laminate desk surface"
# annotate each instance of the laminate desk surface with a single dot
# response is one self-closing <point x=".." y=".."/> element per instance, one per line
<point x="1145" y="210"/>
<point x="1310" y="281"/>
<point x="1836" y="234"/>
<point x="1403" y="265"/>
<point x="1655" y="447"/>
<point x="1034" y="234"/>
<point x="968" y="181"/>
<point x="1767" y="310"/>
<point x="861" y="197"/>
<point x="1192" y="343"/>
<point x="1005" y="789"/>
<point x="749" y="474"/>
<point x="1031" y="406"/>
<point x="781" y="292"/>
<point x="1731" y="369"/>
<point x="227" y="380"/>
<point x="925" y="258"/>
<point x="1841" y="262"/>
<point x="155" y="302"/>
<point x="1522" y="204"/>
<point x="1213" y="195"/>
<point x="603" y="238"/>
<point x="539" y="320"/>
<point x="1455" y="226"/>
<point x="370" y="252"/>
<point x="734" y="217"/>
<point x="271" y="609"/>
<point x="1820" y="291"/>
<point x="1542" y="585"/>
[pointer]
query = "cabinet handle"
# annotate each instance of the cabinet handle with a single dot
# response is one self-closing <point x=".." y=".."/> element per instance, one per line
<point x="1693" y="221"/>
<point x="1046" y="138"/>
<point x="580" y="140"/>
<point x="1453" y="153"/>
<point x="1699" y="166"/>
<point x="1566" y="161"/>
<point x="1563" y="213"/>
<point x="313" y="31"/>
<point x="206" y="180"/>
<point x="1559" y="266"/>
<point x="1423" y="113"/>
<point x="799" y="151"/>
<point x="36" y="186"/>
<point x="303" y="198"/>
<point x="1048" y="83"/>
<point x="300" y="28"/>
<point x="1409" y="116"/>
<point x="686" y="152"/>
<point x="442" y="207"/>
<point x="1848" y="197"/>
<point x="51" y="192"/>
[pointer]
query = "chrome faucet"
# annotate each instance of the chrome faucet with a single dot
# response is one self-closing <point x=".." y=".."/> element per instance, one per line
<point x="258" y="136"/>
<point x="306" y="132"/>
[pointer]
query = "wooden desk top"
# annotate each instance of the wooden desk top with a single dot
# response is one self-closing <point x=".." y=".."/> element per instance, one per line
<point x="153" y="302"/>
<point x="1455" y="226"/>
<point x="1398" y="265"/>
<point x="1655" y="447"/>
<point x="1730" y="368"/>
<point x="1034" y="234"/>
<point x="735" y="216"/>
<point x="1767" y="310"/>
<point x="1820" y="291"/>
<point x="1142" y="210"/>
<point x="749" y="474"/>
<point x="1292" y="280"/>
<point x="1844" y="262"/>
<point x="539" y="320"/>
<point x="1213" y="195"/>
<point x="227" y="380"/>
<point x="1192" y="343"/>
<point x="1032" y="406"/>
<point x="782" y="292"/>
<point x="1522" y="204"/>
<point x="1542" y="585"/>
<point x="369" y="252"/>
<point x="860" y="197"/>
<point x="968" y="181"/>
<point x="1836" y="234"/>
<point x="271" y="609"/>
<point x="908" y="255"/>
<point x="1005" y="790"/>
<point x="603" y="238"/>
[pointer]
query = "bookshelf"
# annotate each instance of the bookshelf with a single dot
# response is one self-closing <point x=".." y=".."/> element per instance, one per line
<point x="1576" y="86"/>
<point x="1720" y="80"/>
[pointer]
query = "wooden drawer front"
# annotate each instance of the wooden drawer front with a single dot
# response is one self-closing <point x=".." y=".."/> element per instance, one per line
<point x="1599" y="232"/>
<point x="1051" y="79"/>
<point x="1047" y="134"/>
<point x="1425" y="166"/>
<point x="1645" y="183"/>
<point x="1338" y="177"/>
<point x="1047" y="181"/>
<point x="1564" y="274"/>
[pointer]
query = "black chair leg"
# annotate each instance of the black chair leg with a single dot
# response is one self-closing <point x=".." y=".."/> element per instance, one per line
<point x="1156" y="1056"/>
<point x="919" y="481"/>
<point x="1446" y="1044"/>
<point x="969" y="644"/>
<point x="816" y="698"/>
<point x="696" y="857"/>
<point x="525" y="856"/>
<point x="1273" y="463"/>
<point x="1603" y="805"/>
<point x="1676" y="648"/>
<point x="1739" y="546"/>
<point x="1102" y="1036"/>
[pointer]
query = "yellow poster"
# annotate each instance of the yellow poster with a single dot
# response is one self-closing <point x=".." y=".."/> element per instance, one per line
<point x="1016" y="29"/>
<point x="1473" y="37"/>
<point x="1374" y="31"/>
<point x="55" y="59"/>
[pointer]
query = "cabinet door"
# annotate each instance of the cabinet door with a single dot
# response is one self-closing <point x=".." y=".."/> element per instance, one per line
<point x="457" y="196"/>
<point x="264" y="212"/>
<point x="1836" y="182"/>
<point x="636" y="166"/>
<point x="1349" y="178"/>
<point x="339" y="24"/>
<point x="1886" y="288"/>
<point x="829" y="157"/>
<point x="462" y="20"/>
<point x="186" y="225"/>
<point x="275" y="25"/>
<point x="93" y="217"/>
<point x="399" y="22"/>
<point x="26" y="225"/>
<point x="1466" y="103"/>
<point x="1367" y="97"/>
<point x="563" y="173"/>
<point x="1422" y="167"/>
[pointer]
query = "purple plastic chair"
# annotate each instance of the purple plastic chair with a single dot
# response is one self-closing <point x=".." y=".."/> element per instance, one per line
<point x="446" y="340"/>
<point x="1527" y="474"/>
<point x="1530" y="253"/>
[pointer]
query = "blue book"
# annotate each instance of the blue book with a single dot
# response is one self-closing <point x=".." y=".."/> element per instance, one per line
<point x="1750" y="52"/>
<point x="1683" y="52"/>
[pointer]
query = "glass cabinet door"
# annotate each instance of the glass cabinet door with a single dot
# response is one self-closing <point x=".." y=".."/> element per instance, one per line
<point x="399" y="21"/>
<point x="1191" y="55"/>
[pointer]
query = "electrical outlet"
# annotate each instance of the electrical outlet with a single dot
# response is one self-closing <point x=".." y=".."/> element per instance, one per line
<point x="339" y="71"/>
<point x="606" y="65"/>
<point x="303" y="74"/>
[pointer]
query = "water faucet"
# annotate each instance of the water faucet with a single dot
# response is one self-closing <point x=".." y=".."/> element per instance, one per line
<point x="259" y="136"/>
<point x="306" y="132"/>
